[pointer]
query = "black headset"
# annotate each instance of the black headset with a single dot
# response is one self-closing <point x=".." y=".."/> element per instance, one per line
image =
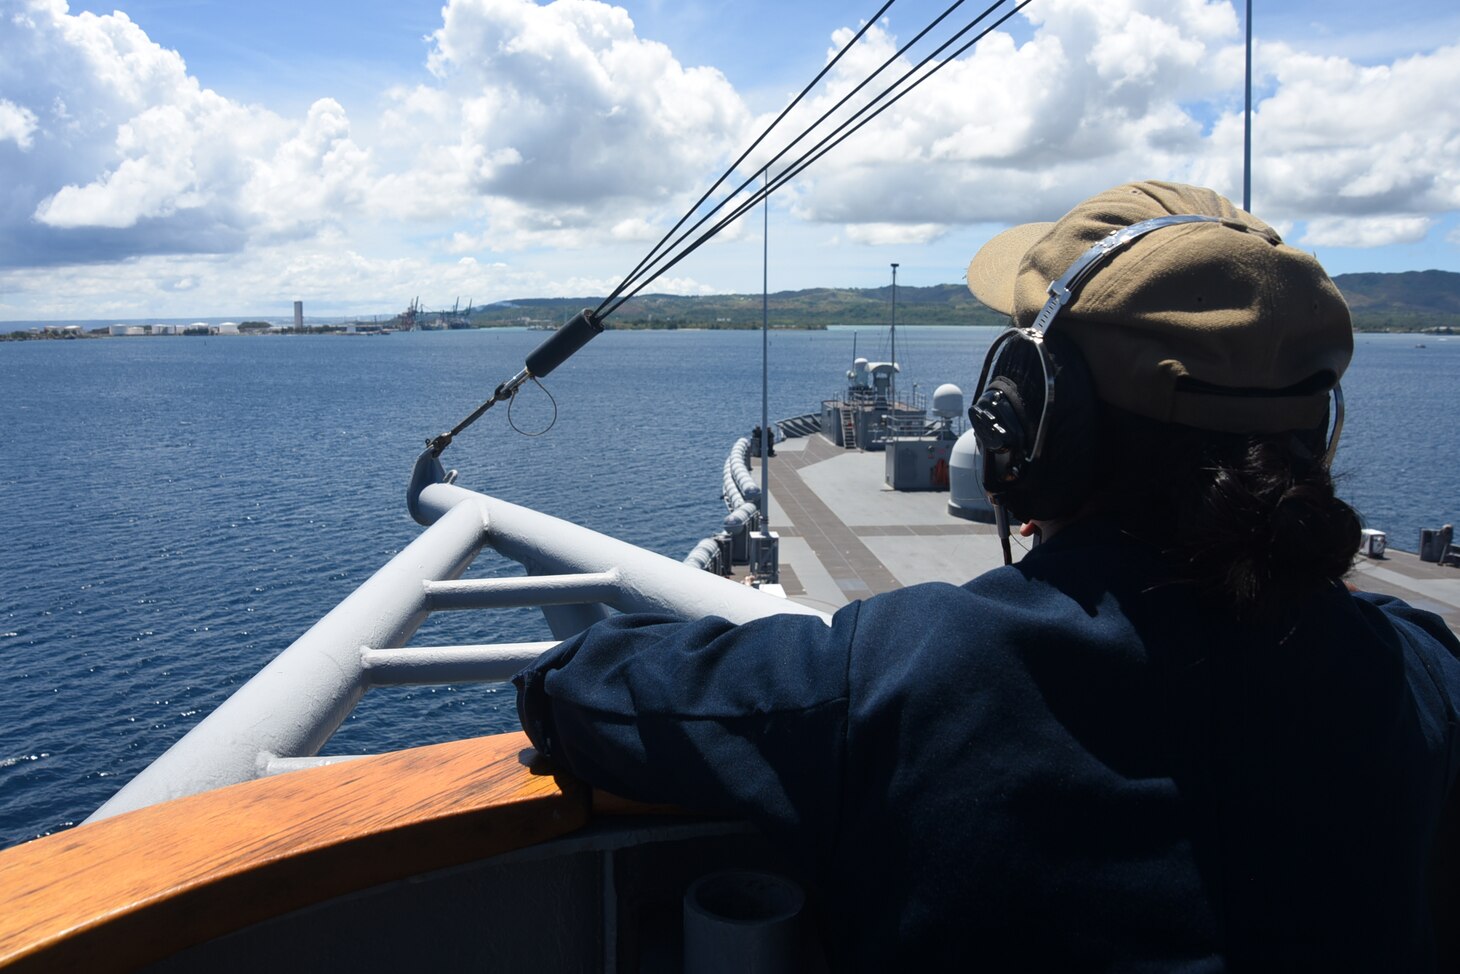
<point x="1034" y="412"/>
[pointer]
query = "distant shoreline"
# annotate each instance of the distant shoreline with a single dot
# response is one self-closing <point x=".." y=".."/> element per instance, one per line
<point x="1411" y="303"/>
<point x="60" y="334"/>
<point x="54" y="336"/>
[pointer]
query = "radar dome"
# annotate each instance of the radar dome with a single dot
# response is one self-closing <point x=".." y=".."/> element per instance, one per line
<point x="948" y="401"/>
<point x="966" y="497"/>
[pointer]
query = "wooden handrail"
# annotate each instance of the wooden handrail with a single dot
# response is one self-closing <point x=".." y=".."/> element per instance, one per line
<point x="127" y="891"/>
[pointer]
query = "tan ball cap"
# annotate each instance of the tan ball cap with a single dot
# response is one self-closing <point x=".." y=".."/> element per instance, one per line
<point x="1220" y="326"/>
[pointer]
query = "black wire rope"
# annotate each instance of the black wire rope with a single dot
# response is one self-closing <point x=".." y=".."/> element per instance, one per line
<point x="785" y="149"/>
<point x="838" y="135"/>
<point x="827" y="144"/>
<point x="651" y="255"/>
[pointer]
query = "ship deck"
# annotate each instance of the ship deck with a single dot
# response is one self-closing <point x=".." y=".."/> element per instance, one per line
<point x="844" y="536"/>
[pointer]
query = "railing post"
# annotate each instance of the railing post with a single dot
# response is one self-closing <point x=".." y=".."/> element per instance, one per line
<point x="293" y="705"/>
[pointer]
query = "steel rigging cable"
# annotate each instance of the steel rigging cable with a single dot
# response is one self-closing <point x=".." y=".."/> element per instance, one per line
<point x="838" y="135"/>
<point x="589" y="322"/>
<point x="654" y="251"/>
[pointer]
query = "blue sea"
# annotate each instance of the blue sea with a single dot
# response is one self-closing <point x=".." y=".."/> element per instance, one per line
<point x="176" y="511"/>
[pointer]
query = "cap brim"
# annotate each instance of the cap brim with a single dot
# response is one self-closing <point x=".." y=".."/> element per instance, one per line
<point x="993" y="269"/>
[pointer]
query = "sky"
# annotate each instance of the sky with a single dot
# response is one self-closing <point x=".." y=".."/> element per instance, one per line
<point x="179" y="158"/>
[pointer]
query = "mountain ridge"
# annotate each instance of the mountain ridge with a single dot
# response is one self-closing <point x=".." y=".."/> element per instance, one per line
<point x="1410" y="301"/>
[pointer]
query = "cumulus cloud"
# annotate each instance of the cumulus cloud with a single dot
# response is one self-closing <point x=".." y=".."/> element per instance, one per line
<point x="129" y="155"/>
<point x="1099" y="94"/>
<point x="1371" y="153"/>
<point x="895" y="233"/>
<point x="1378" y="231"/>
<point x="329" y="274"/>
<point x="553" y="126"/>
<point x="315" y="176"/>
<point x="1113" y="90"/>
<point x="16" y="124"/>
<point x="559" y="119"/>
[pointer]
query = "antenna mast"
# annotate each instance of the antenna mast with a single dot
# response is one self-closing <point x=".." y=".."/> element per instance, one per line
<point x="1247" y="123"/>
<point x="767" y="566"/>
<point x="894" y="347"/>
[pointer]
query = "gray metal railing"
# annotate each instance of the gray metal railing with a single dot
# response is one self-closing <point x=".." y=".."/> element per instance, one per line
<point x="286" y="712"/>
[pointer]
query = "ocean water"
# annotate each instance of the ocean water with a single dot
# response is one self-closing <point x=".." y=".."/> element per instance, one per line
<point x="176" y="511"/>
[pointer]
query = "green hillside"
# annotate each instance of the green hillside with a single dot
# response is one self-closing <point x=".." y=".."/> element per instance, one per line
<point x="1412" y="301"/>
<point x="945" y="304"/>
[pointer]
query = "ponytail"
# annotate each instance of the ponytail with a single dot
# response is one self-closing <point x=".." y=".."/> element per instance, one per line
<point x="1251" y="520"/>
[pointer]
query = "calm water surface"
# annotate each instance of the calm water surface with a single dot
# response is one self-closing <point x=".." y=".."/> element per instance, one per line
<point x="175" y="511"/>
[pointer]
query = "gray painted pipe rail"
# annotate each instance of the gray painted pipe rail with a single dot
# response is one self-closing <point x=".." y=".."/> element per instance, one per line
<point x="448" y="664"/>
<point x="291" y="707"/>
<point x="510" y="593"/>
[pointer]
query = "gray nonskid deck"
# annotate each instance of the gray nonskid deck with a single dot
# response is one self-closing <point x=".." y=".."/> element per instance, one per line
<point x="845" y="536"/>
<point x="1434" y="588"/>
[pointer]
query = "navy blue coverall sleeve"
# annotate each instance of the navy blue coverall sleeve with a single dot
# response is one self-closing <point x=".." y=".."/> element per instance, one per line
<point x="1058" y="766"/>
<point x="746" y="720"/>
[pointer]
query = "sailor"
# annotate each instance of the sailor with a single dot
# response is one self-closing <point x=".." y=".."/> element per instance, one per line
<point x="1169" y="737"/>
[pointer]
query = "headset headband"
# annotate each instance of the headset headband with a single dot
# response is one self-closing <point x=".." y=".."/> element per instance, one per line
<point x="1062" y="291"/>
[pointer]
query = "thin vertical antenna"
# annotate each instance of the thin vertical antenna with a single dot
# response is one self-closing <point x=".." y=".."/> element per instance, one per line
<point x="894" y="347"/>
<point x="1247" y="126"/>
<point x="765" y="352"/>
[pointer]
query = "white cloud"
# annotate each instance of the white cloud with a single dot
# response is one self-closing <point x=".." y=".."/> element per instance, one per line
<point x="16" y="124"/>
<point x="160" y="174"/>
<point x="632" y="229"/>
<point x="545" y="121"/>
<point x="316" y="177"/>
<point x="546" y="127"/>
<point x="329" y="274"/>
<point x="130" y="155"/>
<point x="324" y="273"/>
<point x="1372" y="152"/>
<point x="1379" y="231"/>
<point x="1013" y="132"/>
<point x="1111" y="90"/>
<point x="895" y="233"/>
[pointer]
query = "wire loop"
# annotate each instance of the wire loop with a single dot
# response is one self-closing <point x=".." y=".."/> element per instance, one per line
<point x="513" y="398"/>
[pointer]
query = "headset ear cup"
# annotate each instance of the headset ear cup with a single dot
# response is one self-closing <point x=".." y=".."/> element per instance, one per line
<point x="1003" y="429"/>
<point x="1013" y="397"/>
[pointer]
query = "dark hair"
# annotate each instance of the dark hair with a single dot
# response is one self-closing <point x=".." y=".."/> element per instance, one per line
<point x="1251" y="520"/>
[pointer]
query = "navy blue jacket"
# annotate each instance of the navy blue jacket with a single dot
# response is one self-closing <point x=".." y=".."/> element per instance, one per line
<point x="1066" y="764"/>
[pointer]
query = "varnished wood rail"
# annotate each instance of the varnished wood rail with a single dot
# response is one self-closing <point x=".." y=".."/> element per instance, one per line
<point x="125" y="891"/>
